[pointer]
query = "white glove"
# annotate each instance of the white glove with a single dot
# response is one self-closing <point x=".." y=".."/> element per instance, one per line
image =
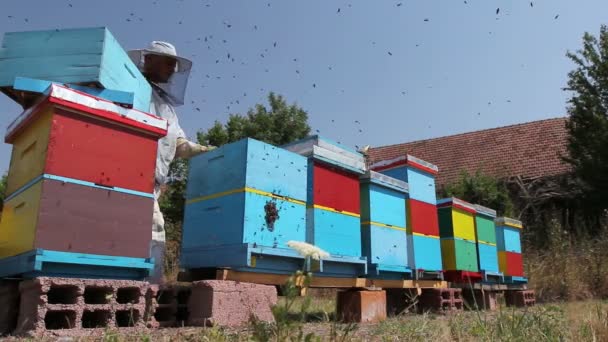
<point x="187" y="149"/>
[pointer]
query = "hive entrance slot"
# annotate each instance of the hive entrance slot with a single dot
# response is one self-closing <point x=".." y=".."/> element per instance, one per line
<point x="63" y="294"/>
<point x="96" y="319"/>
<point x="62" y="319"/>
<point x="97" y="295"/>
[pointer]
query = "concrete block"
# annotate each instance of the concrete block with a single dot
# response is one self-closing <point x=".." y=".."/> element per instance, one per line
<point x="361" y="306"/>
<point x="441" y="300"/>
<point x="167" y="306"/>
<point x="78" y="307"/>
<point x="229" y="303"/>
<point x="520" y="298"/>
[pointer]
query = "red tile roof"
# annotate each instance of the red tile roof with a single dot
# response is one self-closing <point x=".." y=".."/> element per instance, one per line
<point x="529" y="150"/>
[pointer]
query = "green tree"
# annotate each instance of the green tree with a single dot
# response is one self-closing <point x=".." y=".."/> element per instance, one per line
<point x="588" y="123"/>
<point x="483" y="190"/>
<point x="280" y="124"/>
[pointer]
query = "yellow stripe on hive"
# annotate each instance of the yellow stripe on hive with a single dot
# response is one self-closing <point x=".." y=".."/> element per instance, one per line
<point x="384" y="225"/>
<point x="246" y="189"/>
<point x="268" y="194"/>
<point x="428" y="236"/>
<point x="316" y="206"/>
<point x="486" y="243"/>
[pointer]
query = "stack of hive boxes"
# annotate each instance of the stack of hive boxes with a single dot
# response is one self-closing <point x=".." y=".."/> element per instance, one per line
<point x="81" y="180"/>
<point x="333" y="201"/>
<point x="244" y="202"/>
<point x="424" y="247"/>
<point x="383" y="222"/>
<point x="458" y="247"/>
<point x="79" y="193"/>
<point x="30" y="61"/>
<point x="485" y="233"/>
<point x="508" y="237"/>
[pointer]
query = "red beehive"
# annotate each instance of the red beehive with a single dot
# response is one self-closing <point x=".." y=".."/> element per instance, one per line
<point x="78" y="136"/>
<point x="422" y="217"/>
<point x="336" y="189"/>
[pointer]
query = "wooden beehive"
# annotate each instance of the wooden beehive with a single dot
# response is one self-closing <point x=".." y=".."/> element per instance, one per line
<point x="383" y="224"/>
<point x="90" y="56"/>
<point x="422" y="221"/>
<point x="485" y="233"/>
<point x="244" y="202"/>
<point x="75" y="135"/>
<point x="333" y="201"/>
<point x="508" y="237"/>
<point x="456" y="219"/>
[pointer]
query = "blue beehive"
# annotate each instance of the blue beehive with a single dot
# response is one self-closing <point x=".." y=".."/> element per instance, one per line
<point x="383" y="225"/>
<point x="419" y="174"/>
<point x="485" y="236"/>
<point x="333" y="201"/>
<point x="244" y="202"/>
<point x="87" y="56"/>
<point x="425" y="254"/>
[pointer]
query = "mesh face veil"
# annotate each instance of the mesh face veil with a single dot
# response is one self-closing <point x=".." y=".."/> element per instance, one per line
<point x="175" y="87"/>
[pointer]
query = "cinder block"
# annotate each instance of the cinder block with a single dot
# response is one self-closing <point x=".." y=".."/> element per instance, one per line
<point x="78" y="307"/>
<point x="520" y="298"/>
<point x="441" y="300"/>
<point x="229" y="303"/>
<point x="357" y="306"/>
<point x="480" y="299"/>
<point x="9" y="305"/>
<point x="167" y="306"/>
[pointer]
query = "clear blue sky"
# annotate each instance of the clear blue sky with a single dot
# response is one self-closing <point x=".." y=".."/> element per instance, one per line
<point x="464" y="69"/>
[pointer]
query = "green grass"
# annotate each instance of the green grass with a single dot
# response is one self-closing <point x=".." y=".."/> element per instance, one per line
<point x="573" y="321"/>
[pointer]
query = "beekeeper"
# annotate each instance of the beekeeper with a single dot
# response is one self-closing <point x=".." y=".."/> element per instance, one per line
<point x="168" y="75"/>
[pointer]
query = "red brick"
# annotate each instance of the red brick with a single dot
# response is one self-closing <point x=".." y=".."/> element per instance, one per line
<point x="361" y="306"/>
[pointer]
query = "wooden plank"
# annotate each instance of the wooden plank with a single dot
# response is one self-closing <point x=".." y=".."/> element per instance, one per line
<point x="327" y="282"/>
<point x="406" y="284"/>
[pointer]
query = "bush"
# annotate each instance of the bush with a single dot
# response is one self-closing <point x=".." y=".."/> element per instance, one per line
<point x="481" y="189"/>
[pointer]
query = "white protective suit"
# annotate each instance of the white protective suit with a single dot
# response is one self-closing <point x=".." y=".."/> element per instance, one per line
<point x="164" y="99"/>
<point x="166" y="152"/>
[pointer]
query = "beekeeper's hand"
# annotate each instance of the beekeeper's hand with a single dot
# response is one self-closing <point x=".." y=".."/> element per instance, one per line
<point x="187" y="149"/>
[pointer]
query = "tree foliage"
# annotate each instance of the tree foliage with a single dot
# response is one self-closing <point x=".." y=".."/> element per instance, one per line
<point x="588" y="123"/>
<point x="280" y="124"/>
<point x="483" y="190"/>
